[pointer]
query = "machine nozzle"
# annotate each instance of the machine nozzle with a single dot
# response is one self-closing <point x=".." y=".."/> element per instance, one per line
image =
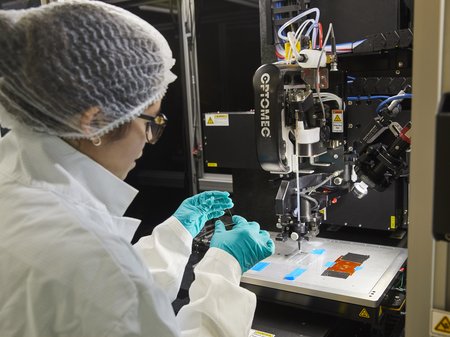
<point x="360" y="189"/>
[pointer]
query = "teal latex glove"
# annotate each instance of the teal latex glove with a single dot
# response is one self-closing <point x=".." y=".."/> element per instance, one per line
<point x="196" y="210"/>
<point x="245" y="241"/>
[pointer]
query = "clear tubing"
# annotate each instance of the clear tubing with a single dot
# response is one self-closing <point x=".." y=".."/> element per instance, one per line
<point x="296" y="18"/>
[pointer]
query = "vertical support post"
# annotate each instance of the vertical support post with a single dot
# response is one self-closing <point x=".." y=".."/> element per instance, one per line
<point x="427" y="282"/>
<point x="186" y="10"/>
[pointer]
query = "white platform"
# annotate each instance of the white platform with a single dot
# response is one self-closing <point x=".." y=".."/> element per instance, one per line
<point x="365" y="287"/>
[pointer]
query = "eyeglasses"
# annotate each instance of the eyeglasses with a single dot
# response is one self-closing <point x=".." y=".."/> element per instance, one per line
<point x="154" y="127"/>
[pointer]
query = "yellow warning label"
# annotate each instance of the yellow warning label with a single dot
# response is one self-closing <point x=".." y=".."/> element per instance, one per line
<point x="337" y="119"/>
<point x="212" y="164"/>
<point x="217" y="119"/>
<point x="364" y="313"/>
<point x="257" y="333"/>
<point x="443" y="325"/>
<point x="392" y="221"/>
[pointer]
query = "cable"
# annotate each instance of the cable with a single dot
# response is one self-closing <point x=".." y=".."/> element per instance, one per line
<point x="366" y="98"/>
<point x="307" y="197"/>
<point x="309" y="190"/>
<point x="346" y="47"/>
<point x="300" y="29"/>
<point x="297" y="38"/>
<point x="330" y="29"/>
<point x="296" y="18"/>
<point x="297" y="177"/>
<point x="320" y="36"/>
<point x="328" y="96"/>
<point x="393" y="98"/>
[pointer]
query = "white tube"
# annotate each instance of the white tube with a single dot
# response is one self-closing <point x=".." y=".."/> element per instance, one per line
<point x="297" y="38"/>
<point x="300" y="29"/>
<point x="296" y="18"/>
<point x="297" y="177"/>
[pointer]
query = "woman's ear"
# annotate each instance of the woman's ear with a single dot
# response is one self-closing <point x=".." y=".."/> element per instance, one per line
<point x="86" y="119"/>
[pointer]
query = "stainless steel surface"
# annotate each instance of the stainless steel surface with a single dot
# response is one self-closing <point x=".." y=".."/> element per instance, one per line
<point x="216" y="181"/>
<point x="365" y="287"/>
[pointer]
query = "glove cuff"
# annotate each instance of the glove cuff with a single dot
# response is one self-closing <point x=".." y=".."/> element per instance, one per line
<point x="221" y="262"/>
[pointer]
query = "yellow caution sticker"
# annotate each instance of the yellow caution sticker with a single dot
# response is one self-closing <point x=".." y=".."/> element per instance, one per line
<point x="217" y="119"/>
<point x="393" y="222"/>
<point x="364" y="313"/>
<point x="443" y="325"/>
<point x="440" y="322"/>
<point x="324" y="213"/>
<point x="212" y="164"/>
<point x="337" y="121"/>
<point x="256" y="333"/>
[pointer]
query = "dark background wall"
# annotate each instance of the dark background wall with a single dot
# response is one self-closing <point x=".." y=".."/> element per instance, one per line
<point x="228" y="54"/>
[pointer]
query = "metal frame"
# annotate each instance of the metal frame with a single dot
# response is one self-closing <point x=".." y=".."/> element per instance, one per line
<point x="427" y="278"/>
<point x="186" y="10"/>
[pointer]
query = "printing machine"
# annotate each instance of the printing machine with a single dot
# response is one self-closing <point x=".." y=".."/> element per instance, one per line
<point x="322" y="162"/>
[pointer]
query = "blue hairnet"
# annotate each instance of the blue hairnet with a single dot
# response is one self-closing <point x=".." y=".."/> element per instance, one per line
<point x="59" y="60"/>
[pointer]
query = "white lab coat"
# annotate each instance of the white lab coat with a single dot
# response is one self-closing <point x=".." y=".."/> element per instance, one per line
<point x="68" y="269"/>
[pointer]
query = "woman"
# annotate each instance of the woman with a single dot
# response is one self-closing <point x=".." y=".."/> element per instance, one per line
<point x="81" y="85"/>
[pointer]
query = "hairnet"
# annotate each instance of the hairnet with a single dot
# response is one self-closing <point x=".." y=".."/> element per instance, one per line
<point x="59" y="60"/>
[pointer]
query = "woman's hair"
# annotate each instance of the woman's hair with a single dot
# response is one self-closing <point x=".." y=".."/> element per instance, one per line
<point x="59" y="60"/>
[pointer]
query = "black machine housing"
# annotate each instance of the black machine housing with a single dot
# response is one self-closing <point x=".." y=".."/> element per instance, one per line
<point x="376" y="69"/>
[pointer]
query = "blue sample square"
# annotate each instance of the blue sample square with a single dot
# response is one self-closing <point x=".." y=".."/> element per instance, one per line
<point x="260" y="266"/>
<point x="318" y="251"/>
<point x="294" y="274"/>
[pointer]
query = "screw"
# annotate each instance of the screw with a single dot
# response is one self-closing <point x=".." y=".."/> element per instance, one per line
<point x="335" y="156"/>
<point x="400" y="64"/>
<point x="337" y="181"/>
<point x="397" y="72"/>
<point x="350" y="148"/>
<point x="349" y="103"/>
<point x="350" y="126"/>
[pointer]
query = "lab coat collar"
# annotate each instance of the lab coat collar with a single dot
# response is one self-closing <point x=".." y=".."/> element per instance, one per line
<point x="50" y="162"/>
<point x="111" y="191"/>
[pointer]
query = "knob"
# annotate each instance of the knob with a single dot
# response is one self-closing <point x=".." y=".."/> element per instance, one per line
<point x="294" y="236"/>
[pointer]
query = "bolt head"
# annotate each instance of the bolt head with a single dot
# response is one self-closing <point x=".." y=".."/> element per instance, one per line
<point x="294" y="236"/>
